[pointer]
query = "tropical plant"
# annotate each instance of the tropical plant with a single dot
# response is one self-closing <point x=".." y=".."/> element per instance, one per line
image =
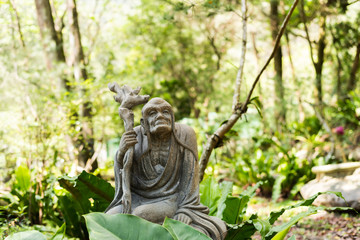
<point x="85" y="193"/>
<point x="29" y="202"/>
<point x="232" y="209"/>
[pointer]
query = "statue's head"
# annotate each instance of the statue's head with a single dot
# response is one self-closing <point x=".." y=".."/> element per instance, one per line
<point x="157" y="117"/>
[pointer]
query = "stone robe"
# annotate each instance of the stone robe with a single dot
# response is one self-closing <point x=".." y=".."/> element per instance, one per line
<point x="161" y="189"/>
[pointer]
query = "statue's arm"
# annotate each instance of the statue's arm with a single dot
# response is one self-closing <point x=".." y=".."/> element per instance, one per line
<point x="189" y="183"/>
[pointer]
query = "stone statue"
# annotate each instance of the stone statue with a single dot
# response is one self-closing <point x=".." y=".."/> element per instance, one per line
<point x="163" y="180"/>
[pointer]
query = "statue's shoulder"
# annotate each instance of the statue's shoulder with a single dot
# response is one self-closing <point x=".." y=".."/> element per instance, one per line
<point x="184" y="129"/>
<point x="186" y="134"/>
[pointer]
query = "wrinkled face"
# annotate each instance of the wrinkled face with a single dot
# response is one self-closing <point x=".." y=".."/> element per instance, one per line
<point x="158" y="115"/>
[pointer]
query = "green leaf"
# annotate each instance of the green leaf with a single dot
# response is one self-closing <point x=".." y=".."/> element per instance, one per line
<point x="226" y="190"/>
<point x="262" y="226"/>
<point x="210" y="194"/>
<point x="311" y="210"/>
<point x="235" y="206"/>
<point x="22" y="176"/>
<point x="122" y="226"/>
<point x="60" y="233"/>
<point x="181" y="231"/>
<point x="283" y="227"/>
<point x="72" y="217"/>
<point x="241" y="232"/>
<point x="250" y="191"/>
<point x="87" y="186"/>
<point x="257" y="103"/>
<point x="27" y="235"/>
<point x="277" y="187"/>
<point x="281" y="235"/>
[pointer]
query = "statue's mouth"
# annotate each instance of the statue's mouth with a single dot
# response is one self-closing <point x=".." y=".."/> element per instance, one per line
<point x="161" y="122"/>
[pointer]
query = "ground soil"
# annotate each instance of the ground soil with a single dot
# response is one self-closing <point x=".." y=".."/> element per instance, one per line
<point x="321" y="226"/>
<point x="328" y="226"/>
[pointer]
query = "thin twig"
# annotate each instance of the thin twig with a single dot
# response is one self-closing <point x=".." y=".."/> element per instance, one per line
<point x="277" y="42"/>
<point x="17" y="22"/>
<point x="239" y="76"/>
<point x="353" y="2"/>
<point x="94" y="38"/>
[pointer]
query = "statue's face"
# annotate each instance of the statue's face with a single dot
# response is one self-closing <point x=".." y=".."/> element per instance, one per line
<point x="158" y="115"/>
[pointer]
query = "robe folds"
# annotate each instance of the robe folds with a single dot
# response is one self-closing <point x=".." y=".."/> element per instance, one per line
<point x="165" y="189"/>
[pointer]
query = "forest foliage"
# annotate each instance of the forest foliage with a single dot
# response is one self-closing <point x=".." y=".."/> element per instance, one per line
<point x="58" y="118"/>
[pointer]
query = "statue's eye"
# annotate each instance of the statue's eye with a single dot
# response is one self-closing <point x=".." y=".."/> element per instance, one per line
<point x="152" y="113"/>
<point x="166" y="111"/>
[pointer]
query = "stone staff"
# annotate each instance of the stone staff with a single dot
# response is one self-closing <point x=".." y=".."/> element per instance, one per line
<point x="128" y="99"/>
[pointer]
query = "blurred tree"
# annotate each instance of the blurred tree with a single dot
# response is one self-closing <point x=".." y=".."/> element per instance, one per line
<point x="354" y="69"/>
<point x="52" y="40"/>
<point x="85" y="140"/>
<point x="280" y="110"/>
<point x="18" y="24"/>
<point x="346" y="38"/>
<point x="321" y="11"/>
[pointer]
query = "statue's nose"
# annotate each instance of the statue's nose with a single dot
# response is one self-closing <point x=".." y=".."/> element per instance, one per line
<point x="160" y="115"/>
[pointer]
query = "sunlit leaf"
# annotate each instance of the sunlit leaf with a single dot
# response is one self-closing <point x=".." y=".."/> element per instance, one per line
<point x="27" y="235"/>
<point x="22" y="176"/>
<point x="60" y="233"/>
<point x="181" y="231"/>
<point x="122" y="226"/>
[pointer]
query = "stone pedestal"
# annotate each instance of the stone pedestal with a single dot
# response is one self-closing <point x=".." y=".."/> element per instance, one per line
<point x="344" y="178"/>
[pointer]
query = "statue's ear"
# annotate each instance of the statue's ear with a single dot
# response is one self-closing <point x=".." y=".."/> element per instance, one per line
<point x="142" y="122"/>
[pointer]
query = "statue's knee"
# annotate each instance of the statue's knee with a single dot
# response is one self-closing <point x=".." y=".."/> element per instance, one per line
<point x="155" y="213"/>
<point x="143" y="211"/>
<point x="115" y="210"/>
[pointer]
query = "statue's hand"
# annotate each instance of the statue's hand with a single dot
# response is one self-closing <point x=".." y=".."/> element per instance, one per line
<point x="128" y="140"/>
<point x="126" y="202"/>
<point x="183" y="218"/>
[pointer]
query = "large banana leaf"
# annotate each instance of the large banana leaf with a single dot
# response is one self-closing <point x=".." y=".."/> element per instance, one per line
<point x="129" y="227"/>
<point x="181" y="231"/>
<point x="122" y="226"/>
<point x="88" y="193"/>
<point x="27" y="235"/>
<point x="85" y="187"/>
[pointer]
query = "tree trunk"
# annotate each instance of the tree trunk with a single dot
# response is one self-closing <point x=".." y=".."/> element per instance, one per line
<point x="296" y="82"/>
<point x="51" y="40"/>
<point x="355" y="67"/>
<point x="321" y="44"/>
<point x="320" y="61"/>
<point x="85" y="142"/>
<point x="338" y="77"/>
<point x="48" y="33"/>
<point x="280" y="111"/>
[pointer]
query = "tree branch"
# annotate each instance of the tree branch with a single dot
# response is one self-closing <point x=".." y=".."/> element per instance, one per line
<point x="223" y="129"/>
<point x="216" y="51"/>
<point x="17" y="22"/>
